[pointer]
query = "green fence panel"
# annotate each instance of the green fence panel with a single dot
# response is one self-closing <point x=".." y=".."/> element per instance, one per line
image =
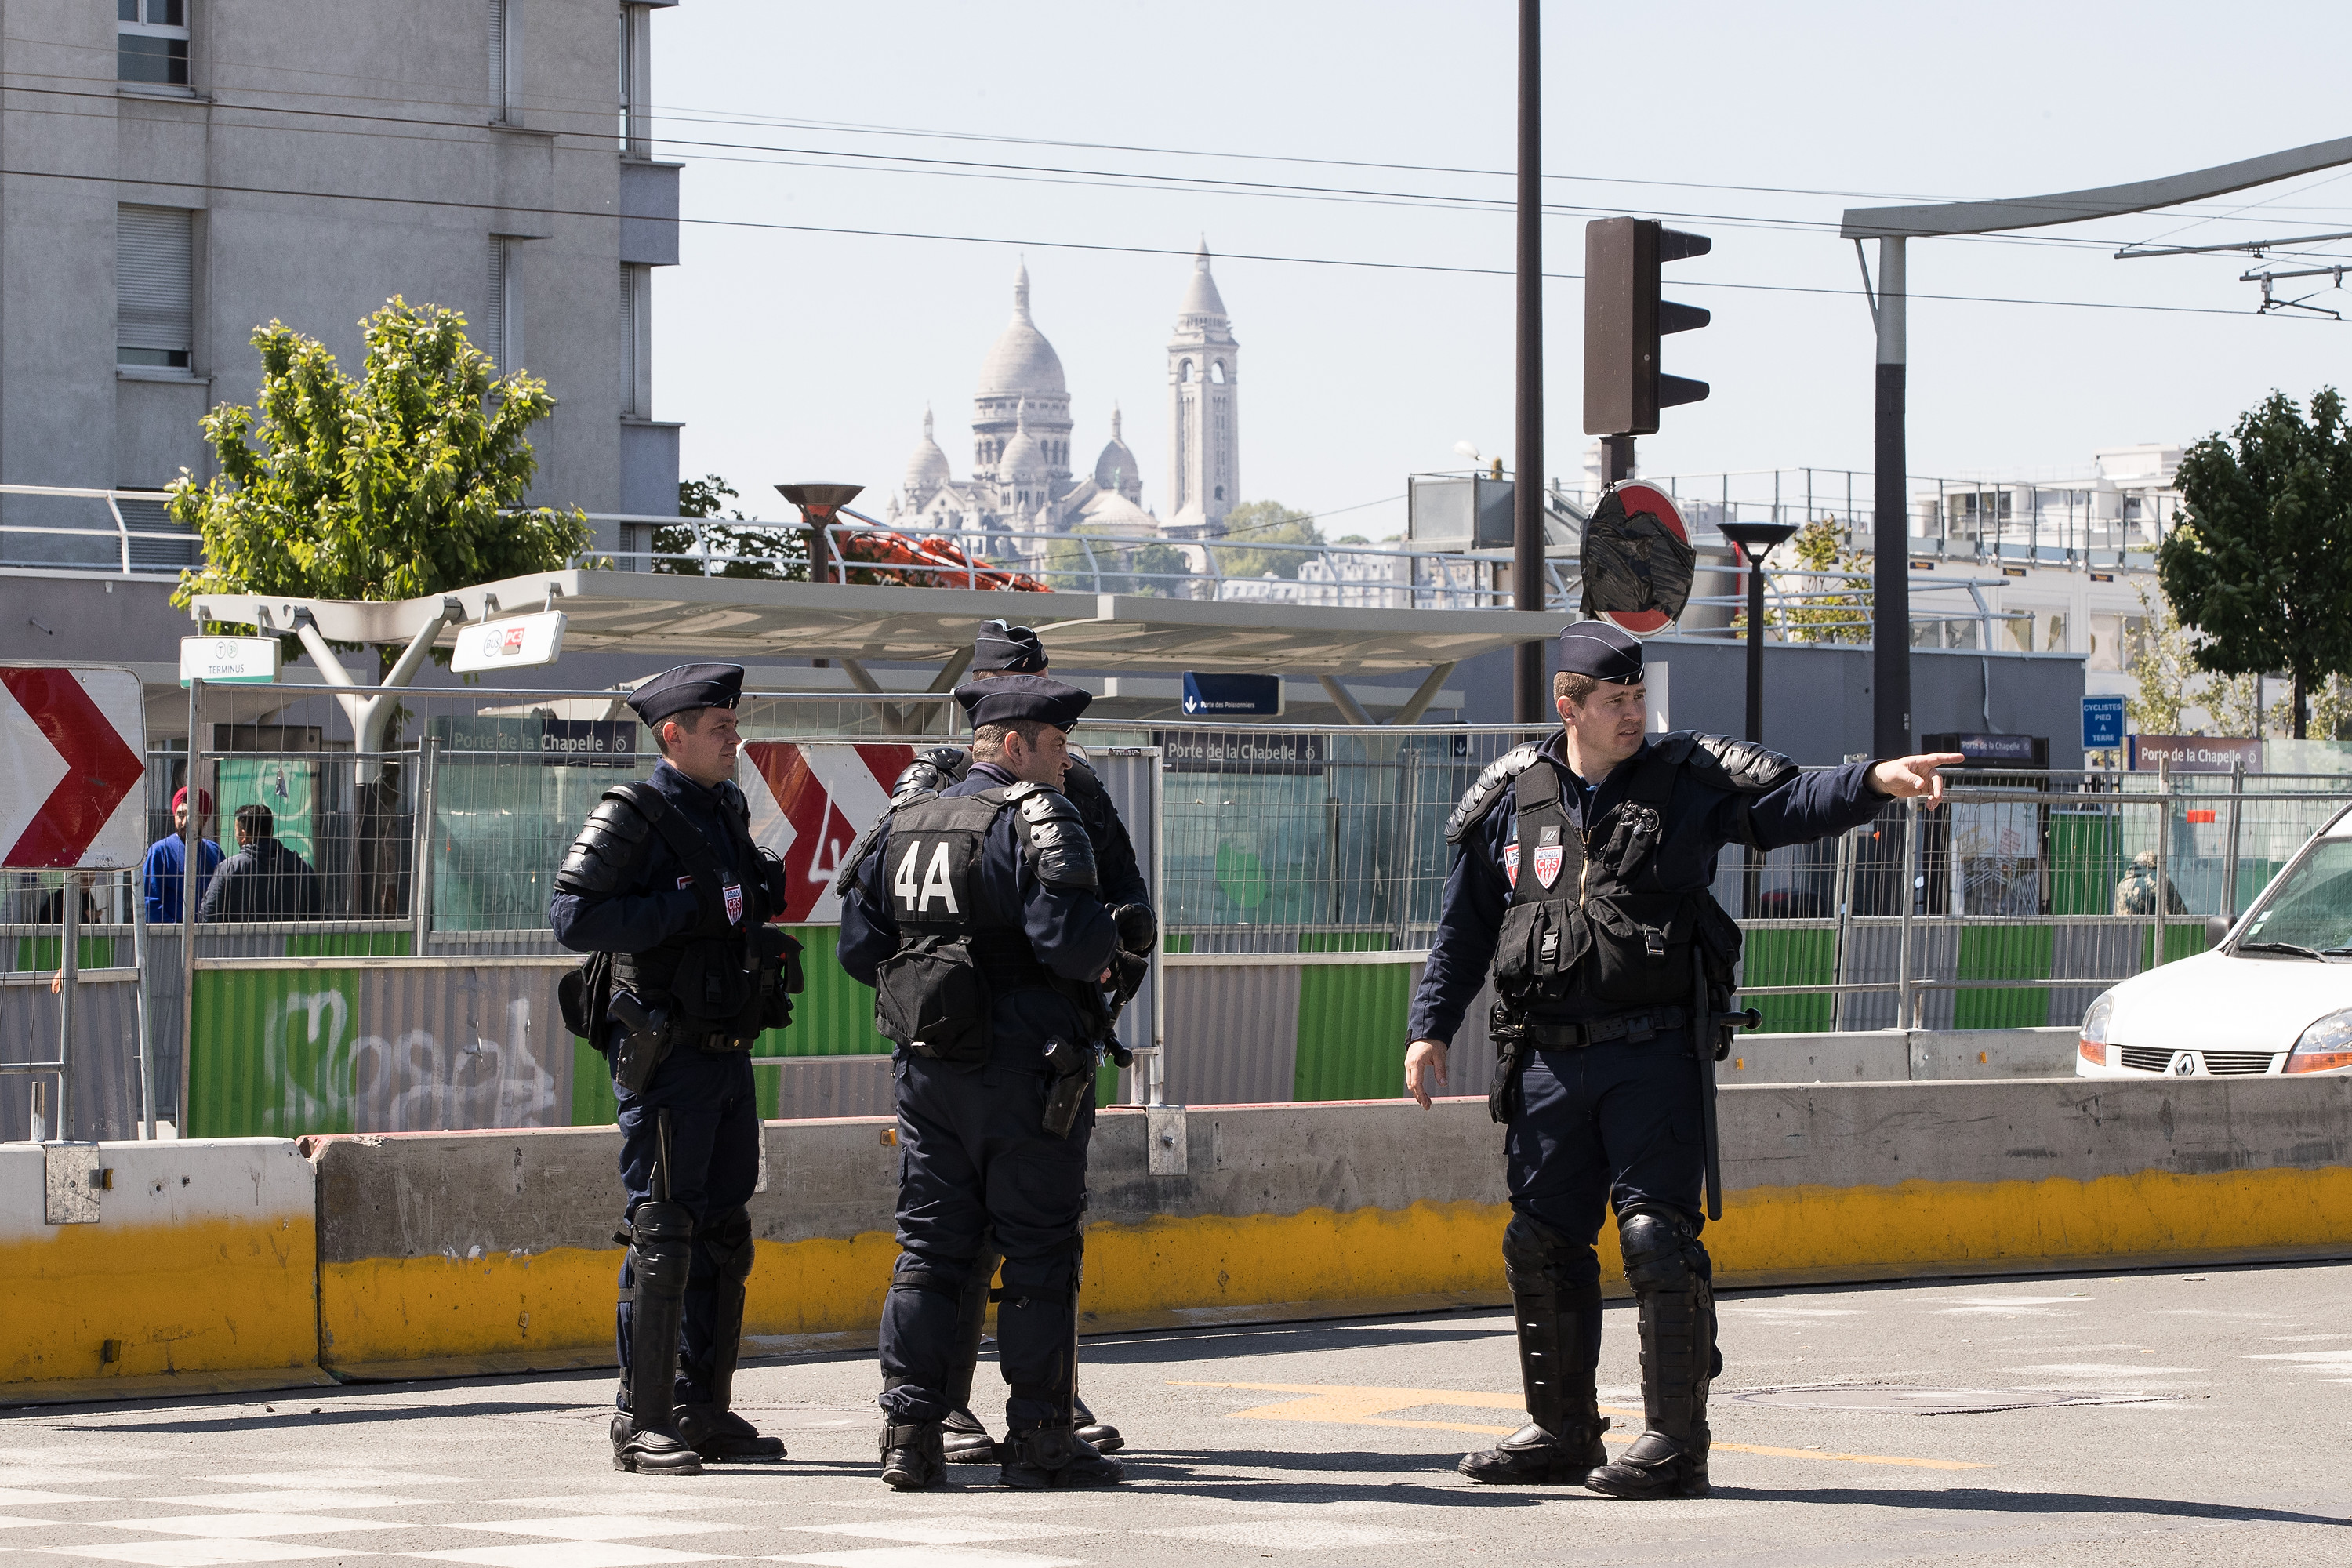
<point x="593" y="1104"/>
<point x="2086" y="861"/>
<point x="2180" y="942"/>
<point x="272" y="1053"/>
<point x="2003" y="952"/>
<point x="1351" y="1019"/>
<point x="1792" y="958"/>
<point x="40" y="954"/>
<point x="1346" y="942"/>
<point x="349" y="944"/>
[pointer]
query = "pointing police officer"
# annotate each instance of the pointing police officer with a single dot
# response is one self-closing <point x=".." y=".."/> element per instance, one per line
<point x="665" y="879"/>
<point x="974" y="915"/>
<point x="1581" y="873"/>
<point x="1001" y="650"/>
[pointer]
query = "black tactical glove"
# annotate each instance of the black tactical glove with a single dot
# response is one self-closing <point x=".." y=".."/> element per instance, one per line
<point x="1139" y="928"/>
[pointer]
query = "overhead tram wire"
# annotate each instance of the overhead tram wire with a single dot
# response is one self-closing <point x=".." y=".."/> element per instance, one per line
<point x="380" y="199"/>
<point x="791" y="157"/>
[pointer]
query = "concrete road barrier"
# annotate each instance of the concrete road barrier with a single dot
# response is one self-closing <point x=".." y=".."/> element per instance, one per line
<point x="130" y="1269"/>
<point x="496" y="1250"/>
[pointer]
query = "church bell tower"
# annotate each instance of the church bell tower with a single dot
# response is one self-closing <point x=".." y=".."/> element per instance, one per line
<point x="1204" y="434"/>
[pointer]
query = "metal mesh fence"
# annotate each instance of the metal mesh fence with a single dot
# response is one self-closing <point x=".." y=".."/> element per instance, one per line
<point x="2010" y="904"/>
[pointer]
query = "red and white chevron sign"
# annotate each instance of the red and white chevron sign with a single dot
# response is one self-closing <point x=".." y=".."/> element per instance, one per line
<point x="72" y="767"/>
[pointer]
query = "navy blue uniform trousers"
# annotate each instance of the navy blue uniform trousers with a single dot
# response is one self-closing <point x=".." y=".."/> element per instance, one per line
<point x="974" y="1157"/>
<point x="714" y="1163"/>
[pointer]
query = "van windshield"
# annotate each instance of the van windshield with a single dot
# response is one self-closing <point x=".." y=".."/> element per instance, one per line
<point x="2312" y="905"/>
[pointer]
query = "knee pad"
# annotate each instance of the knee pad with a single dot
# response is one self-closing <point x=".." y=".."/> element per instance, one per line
<point x="727" y="1238"/>
<point x="1536" y="1258"/>
<point x="661" y="1239"/>
<point x="1054" y="1278"/>
<point x="913" y="1271"/>
<point x="1661" y="1250"/>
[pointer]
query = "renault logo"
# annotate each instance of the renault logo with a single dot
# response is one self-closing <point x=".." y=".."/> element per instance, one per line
<point x="2184" y="1066"/>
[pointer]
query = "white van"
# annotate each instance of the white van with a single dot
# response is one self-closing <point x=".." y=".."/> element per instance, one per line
<point x="2273" y="996"/>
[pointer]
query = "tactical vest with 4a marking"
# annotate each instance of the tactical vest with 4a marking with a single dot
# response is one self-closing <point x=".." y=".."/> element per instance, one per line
<point x="934" y="994"/>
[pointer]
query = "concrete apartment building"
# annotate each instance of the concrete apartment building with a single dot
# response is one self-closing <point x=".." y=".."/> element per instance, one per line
<point x="174" y="173"/>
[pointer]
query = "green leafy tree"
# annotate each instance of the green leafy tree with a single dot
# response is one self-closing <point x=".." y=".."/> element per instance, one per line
<point x="773" y="553"/>
<point x="2331" y="709"/>
<point x="404" y="482"/>
<point x="1835" y="609"/>
<point x="2162" y="662"/>
<point x="2260" y="562"/>
<point x="1260" y="523"/>
<point x="1122" y="565"/>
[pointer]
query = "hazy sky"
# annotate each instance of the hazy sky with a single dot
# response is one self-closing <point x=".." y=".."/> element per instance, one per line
<point x="792" y="354"/>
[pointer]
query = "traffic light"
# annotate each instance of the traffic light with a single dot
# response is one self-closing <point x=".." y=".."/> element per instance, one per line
<point x="1623" y="320"/>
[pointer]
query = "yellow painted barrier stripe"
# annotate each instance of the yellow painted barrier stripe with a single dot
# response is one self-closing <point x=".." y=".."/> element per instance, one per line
<point x="559" y="1303"/>
<point x="1348" y="1405"/>
<point x="204" y="1296"/>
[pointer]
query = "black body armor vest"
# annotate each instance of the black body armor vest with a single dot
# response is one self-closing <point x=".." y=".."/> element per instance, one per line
<point x="1588" y="919"/>
<point x="718" y="976"/>
<point x="934" y="994"/>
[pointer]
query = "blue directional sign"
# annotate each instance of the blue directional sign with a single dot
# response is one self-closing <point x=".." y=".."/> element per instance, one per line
<point x="1232" y="696"/>
<point x="2103" y="724"/>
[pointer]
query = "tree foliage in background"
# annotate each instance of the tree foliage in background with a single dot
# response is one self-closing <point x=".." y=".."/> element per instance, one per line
<point x="405" y="482"/>
<point x="2260" y="562"/>
<point x="1262" y="522"/>
<point x="1121" y="565"/>
<point x="770" y="553"/>
<point x="1836" y="609"/>
<point x="2161" y="666"/>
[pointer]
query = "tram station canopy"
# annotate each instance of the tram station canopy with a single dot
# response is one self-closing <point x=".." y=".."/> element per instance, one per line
<point x="731" y="618"/>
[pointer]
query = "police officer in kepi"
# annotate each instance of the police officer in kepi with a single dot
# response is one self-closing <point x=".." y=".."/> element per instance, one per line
<point x="1581" y="873"/>
<point x="665" y="885"/>
<point x="1001" y="649"/>
<point x="975" y="914"/>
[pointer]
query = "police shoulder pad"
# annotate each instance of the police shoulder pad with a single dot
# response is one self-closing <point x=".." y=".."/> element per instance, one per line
<point x="1021" y="790"/>
<point x="606" y="851"/>
<point x="1490" y="787"/>
<point x="1728" y="763"/>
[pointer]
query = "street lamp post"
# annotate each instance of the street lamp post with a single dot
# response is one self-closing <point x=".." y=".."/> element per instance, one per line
<point x="818" y="503"/>
<point x="1755" y="540"/>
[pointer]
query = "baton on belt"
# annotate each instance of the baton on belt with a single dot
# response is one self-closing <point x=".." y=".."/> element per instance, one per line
<point x="1710" y="1029"/>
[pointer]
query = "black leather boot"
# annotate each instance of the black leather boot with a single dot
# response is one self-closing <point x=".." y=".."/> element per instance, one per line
<point x="912" y="1458"/>
<point x="719" y="1434"/>
<point x="651" y="1451"/>
<point x="1103" y="1436"/>
<point x="646" y="1439"/>
<point x="1055" y="1456"/>
<point x="1671" y="1279"/>
<point x="966" y="1440"/>
<point x="1559" y="1329"/>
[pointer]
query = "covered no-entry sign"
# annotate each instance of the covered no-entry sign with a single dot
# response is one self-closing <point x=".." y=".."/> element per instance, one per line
<point x="73" y="764"/>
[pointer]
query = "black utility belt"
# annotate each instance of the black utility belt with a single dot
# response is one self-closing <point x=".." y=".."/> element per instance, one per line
<point x="719" y="1045"/>
<point x="1634" y="1028"/>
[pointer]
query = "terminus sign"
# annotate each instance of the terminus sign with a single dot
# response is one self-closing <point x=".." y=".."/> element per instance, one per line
<point x="1239" y="753"/>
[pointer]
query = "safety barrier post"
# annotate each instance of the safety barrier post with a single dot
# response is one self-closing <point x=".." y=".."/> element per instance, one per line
<point x="2159" y="901"/>
<point x="420" y="881"/>
<point x="1906" y="1004"/>
<point x="1842" y="960"/>
<point x="2229" y="842"/>
<point x="146" y="1025"/>
<point x="68" y="980"/>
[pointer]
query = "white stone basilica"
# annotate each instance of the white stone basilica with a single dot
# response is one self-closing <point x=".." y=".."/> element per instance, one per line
<point x="1021" y="480"/>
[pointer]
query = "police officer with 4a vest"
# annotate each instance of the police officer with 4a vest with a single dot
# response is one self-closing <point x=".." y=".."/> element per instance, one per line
<point x="665" y="883"/>
<point x="1582" y="874"/>
<point x="1001" y="650"/>
<point x="975" y="914"/>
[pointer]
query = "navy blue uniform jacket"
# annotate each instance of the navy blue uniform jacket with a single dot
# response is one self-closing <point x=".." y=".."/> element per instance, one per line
<point x="660" y="900"/>
<point x="1070" y="929"/>
<point x="1697" y="824"/>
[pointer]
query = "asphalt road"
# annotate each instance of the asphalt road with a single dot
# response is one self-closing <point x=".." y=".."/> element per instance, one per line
<point x="2224" y="1440"/>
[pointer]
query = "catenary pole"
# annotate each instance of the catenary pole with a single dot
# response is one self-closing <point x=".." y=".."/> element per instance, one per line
<point x="1528" y="704"/>
<point x="1890" y="566"/>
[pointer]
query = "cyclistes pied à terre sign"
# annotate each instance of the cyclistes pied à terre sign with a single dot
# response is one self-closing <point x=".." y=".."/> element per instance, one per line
<point x="73" y="765"/>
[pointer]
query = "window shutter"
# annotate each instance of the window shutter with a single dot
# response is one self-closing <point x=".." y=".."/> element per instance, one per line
<point x="493" y="318"/>
<point x="628" y="338"/>
<point x="498" y="55"/>
<point x="153" y="294"/>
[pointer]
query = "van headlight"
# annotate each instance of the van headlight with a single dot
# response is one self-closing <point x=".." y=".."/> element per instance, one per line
<point x="2096" y="1020"/>
<point x="2325" y="1047"/>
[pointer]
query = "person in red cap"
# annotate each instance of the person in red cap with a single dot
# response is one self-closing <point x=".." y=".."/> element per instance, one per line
<point x="163" y="873"/>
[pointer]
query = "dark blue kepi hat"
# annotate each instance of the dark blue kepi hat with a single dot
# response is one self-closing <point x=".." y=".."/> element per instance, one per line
<point x="689" y="686"/>
<point x="1000" y="647"/>
<point x="1009" y="697"/>
<point x="1601" y="651"/>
